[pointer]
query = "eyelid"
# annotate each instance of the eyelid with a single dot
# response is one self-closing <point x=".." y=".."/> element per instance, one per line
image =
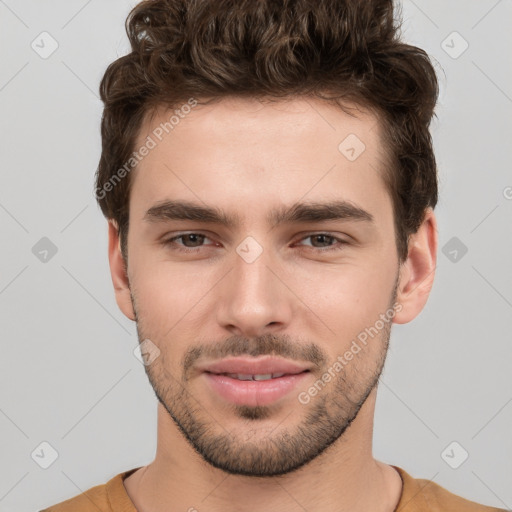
<point x="339" y="242"/>
<point x="172" y="239"/>
<point x="342" y="237"/>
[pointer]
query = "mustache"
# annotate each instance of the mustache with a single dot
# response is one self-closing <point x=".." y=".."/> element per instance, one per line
<point x="267" y="344"/>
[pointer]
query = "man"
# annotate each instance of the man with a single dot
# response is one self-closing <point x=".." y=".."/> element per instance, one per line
<point x="269" y="180"/>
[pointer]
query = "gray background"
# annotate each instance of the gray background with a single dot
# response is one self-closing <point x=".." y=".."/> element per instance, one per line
<point x="68" y="375"/>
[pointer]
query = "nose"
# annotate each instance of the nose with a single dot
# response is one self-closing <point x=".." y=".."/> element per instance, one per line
<point x="254" y="299"/>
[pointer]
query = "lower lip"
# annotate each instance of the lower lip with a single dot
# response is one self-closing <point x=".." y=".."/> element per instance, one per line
<point x="254" y="392"/>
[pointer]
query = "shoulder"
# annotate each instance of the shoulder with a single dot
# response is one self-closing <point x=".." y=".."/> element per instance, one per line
<point x="105" y="497"/>
<point x="421" y="495"/>
<point x="93" y="499"/>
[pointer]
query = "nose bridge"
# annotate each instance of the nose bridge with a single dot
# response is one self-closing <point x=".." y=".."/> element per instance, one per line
<point x="251" y="271"/>
<point x="252" y="296"/>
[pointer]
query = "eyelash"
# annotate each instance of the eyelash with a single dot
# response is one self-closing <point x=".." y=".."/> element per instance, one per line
<point x="171" y="242"/>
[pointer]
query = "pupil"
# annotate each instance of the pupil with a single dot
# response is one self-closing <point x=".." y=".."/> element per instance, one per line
<point x="324" y="237"/>
<point x="195" y="238"/>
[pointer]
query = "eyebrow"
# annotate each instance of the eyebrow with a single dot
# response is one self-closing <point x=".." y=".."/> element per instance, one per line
<point x="297" y="213"/>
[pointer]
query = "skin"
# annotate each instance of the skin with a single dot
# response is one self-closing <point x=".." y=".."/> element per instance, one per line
<point x="247" y="157"/>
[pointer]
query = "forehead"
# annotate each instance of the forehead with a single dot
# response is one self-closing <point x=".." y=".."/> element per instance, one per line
<point x="239" y="152"/>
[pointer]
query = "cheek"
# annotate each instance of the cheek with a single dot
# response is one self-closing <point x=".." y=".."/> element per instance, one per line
<point x="167" y="293"/>
<point x="347" y="298"/>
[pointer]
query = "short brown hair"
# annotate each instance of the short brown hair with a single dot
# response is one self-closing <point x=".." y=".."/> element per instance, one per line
<point x="342" y="51"/>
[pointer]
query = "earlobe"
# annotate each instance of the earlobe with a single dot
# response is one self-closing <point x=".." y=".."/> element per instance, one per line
<point x="418" y="271"/>
<point x="118" y="271"/>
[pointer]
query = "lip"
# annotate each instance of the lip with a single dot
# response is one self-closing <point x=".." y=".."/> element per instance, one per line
<point x="254" y="366"/>
<point x="253" y="392"/>
<point x="250" y="392"/>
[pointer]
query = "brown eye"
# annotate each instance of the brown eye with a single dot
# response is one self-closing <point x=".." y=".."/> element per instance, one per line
<point x="194" y="238"/>
<point x="189" y="242"/>
<point x="324" y="242"/>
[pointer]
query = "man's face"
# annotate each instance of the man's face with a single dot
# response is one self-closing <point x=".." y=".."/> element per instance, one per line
<point x="258" y="297"/>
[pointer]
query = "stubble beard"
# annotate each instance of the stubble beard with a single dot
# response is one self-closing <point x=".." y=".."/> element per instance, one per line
<point x="285" y="449"/>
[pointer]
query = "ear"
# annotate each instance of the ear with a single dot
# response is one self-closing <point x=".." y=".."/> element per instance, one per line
<point x="417" y="272"/>
<point x="118" y="271"/>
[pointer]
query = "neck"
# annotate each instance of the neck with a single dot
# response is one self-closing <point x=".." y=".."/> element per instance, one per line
<point x="344" y="478"/>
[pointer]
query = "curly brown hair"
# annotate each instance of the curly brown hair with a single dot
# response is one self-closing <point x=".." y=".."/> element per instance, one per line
<point x="341" y="51"/>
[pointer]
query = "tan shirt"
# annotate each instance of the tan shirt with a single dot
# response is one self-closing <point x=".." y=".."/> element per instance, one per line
<point x="418" y="495"/>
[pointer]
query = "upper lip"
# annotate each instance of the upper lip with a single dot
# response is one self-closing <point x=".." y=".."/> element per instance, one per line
<point x="252" y="366"/>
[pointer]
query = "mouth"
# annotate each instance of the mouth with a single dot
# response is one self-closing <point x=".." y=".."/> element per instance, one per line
<point x="254" y="382"/>
<point x="259" y="377"/>
<point x="266" y="367"/>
